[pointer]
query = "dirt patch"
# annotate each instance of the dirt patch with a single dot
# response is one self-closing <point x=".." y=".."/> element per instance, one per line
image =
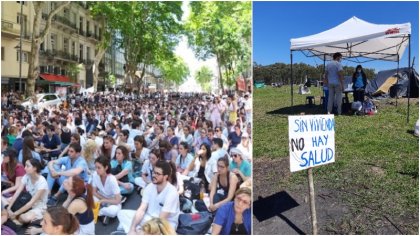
<point x="335" y="213"/>
<point x="378" y="170"/>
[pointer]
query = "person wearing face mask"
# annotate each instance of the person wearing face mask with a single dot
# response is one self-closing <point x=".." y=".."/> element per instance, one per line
<point x="359" y="84"/>
<point x="335" y="79"/>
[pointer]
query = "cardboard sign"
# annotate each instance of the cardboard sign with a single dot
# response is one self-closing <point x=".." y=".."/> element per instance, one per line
<point x="311" y="141"/>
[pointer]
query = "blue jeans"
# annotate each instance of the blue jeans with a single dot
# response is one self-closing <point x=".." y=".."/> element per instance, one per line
<point x="124" y="191"/>
<point x="51" y="180"/>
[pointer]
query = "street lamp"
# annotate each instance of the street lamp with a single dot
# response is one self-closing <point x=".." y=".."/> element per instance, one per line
<point x="20" y="47"/>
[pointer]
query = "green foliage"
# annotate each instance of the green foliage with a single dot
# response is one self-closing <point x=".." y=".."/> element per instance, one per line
<point x="175" y="70"/>
<point x="222" y="30"/>
<point x="147" y="31"/>
<point x="203" y="77"/>
<point x="73" y="70"/>
<point x="110" y="80"/>
<point x="280" y="72"/>
<point x="376" y="156"/>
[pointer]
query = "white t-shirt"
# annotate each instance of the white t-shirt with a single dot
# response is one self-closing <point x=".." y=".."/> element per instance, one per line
<point x="33" y="188"/>
<point x="211" y="165"/>
<point x="165" y="201"/>
<point x="144" y="155"/>
<point x="110" y="189"/>
<point x="147" y="168"/>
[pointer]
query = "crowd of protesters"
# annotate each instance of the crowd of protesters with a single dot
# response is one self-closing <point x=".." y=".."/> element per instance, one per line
<point x="87" y="156"/>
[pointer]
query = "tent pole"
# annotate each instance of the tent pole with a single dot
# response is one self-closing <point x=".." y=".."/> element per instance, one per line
<point x="323" y="85"/>
<point x="398" y="71"/>
<point x="409" y="78"/>
<point x="291" y="81"/>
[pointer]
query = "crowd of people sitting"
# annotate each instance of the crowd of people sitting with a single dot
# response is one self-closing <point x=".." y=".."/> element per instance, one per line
<point x="66" y="168"/>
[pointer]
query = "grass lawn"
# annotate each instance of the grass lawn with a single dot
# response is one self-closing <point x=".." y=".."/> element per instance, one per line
<point x="377" y="157"/>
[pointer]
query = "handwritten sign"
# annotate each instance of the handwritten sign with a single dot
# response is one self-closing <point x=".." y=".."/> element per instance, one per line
<point x="311" y="141"/>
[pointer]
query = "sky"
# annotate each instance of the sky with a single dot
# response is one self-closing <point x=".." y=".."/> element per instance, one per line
<point x="183" y="50"/>
<point x="275" y="23"/>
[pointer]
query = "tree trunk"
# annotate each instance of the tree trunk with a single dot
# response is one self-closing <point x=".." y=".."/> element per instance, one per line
<point x="220" y="73"/>
<point x="37" y="38"/>
<point x="97" y="60"/>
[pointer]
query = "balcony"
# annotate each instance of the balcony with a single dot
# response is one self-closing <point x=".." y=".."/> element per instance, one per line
<point x="10" y="28"/>
<point x="65" y="21"/>
<point x="92" y="36"/>
<point x="81" y="32"/>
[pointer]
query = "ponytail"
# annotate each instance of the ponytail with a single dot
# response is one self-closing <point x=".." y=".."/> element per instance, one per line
<point x="89" y="196"/>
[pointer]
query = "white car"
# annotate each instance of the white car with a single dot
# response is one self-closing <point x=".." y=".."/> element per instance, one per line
<point x="43" y="100"/>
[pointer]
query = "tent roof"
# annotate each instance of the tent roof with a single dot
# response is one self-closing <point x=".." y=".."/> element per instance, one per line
<point x="355" y="39"/>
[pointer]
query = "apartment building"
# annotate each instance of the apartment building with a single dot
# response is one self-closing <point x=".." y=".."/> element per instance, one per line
<point x="67" y="53"/>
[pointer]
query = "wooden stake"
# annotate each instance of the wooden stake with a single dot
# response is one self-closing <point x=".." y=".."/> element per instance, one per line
<point x="312" y="201"/>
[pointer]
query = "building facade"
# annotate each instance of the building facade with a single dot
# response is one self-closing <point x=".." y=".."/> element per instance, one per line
<point x="67" y="53"/>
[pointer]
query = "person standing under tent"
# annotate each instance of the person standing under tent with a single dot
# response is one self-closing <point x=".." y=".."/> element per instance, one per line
<point x="359" y="84"/>
<point x="335" y="79"/>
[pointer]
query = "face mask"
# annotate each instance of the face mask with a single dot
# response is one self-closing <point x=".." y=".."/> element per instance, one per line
<point x="359" y="71"/>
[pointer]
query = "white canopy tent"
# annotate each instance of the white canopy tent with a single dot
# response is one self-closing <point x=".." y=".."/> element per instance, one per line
<point x="358" y="41"/>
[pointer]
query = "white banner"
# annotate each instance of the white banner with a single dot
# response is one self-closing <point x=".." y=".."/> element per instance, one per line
<point x="311" y="141"/>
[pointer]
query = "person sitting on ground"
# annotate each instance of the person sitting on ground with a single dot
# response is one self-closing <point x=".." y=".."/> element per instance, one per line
<point x="13" y="171"/>
<point x="141" y="152"/>
<point x="106" y="191"/>
<point x="51" y="142"/>
<point x="217" y="153"/>
<point x="169" y="154"/>
<point x="234" y="218"/>
<point x="108" y="147"/>
<point x="235" y="137"/>
<point x="171" y="138"/>
<point x="147" y="170"/>
<point x="222" y="186"/>
<point x="122" y="168"/>
<point x="184" y="158"/>
<point x="28" y="150"/>
<point x="245" y="147"/>
<point x="198" y="164"/>
<point x="123" y="140"/>
<point x="242" y="168"/>
<point x="19" y="141"/>
<point x="80" y="203"/>
<point x="201" y="139"/>
<point x="74" y="138"/>
<point x="36" y="185"/>
<point x="74" y="164"/>
<point x="176" y="179"/>
<point x="160" y="199"/>
<point x="157" y="226"/>
<point x="89" y="153"/>
<point x="58" y="221"/>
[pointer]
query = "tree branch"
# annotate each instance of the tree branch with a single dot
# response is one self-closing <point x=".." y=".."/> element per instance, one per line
<point x="60" y="6"/>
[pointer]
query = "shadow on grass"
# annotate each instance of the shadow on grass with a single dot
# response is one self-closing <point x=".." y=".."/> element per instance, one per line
<point x="307" y="109"/>
<point x="275" y="205"/>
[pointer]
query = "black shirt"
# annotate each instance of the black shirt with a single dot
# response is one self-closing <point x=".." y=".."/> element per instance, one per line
<point x="238" y="229"/>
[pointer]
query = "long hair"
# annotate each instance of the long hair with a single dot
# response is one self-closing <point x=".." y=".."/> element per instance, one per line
<point x="124" y="151"/>
<point x="60" y="216"/>
<point x="89" y="150"/>
<point x="79" y="189"/>
<point x="105" y="152"/>
<point x="11" y="165"/>
<point x="208" y="152"/>
<point x="172" y="177"/>
<point x="28" y="146"/>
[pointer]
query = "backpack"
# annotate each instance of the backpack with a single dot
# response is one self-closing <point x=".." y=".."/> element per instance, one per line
<point x="194" y="223"/>
<point x="5" y="230"/>
<point x="191" y="189"/>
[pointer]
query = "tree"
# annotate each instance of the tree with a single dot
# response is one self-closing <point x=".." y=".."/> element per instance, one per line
<point x="101" y="11"/>
<point x="38" y="37"/>
<point x="203" y="77"/>
<point x="175" y="70"/>
<point x="222" y="30"/>
<point x="147" y="32"/>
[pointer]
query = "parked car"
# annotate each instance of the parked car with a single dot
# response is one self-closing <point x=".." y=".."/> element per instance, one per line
<point x="43" y="100"/>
